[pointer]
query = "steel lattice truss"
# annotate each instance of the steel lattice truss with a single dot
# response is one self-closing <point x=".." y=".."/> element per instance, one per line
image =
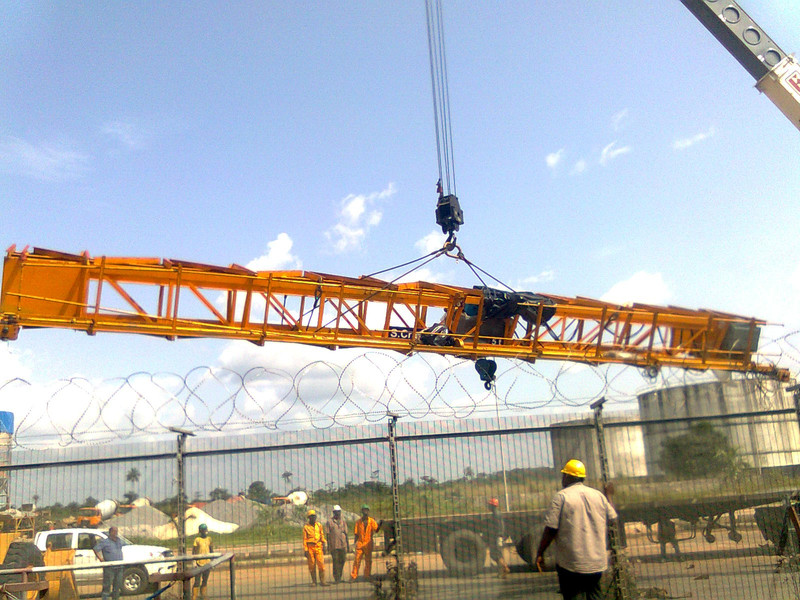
<point x="178" y="299"/>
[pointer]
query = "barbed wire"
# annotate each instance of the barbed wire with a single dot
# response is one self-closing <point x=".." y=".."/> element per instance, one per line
<point x="350" y="391"/>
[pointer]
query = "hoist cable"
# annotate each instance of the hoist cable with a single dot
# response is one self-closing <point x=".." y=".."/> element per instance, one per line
<point x="433" y="87"/>
<point x="441" y="95"/>
<point x="430" y="257"/>
<point x="459" y="255"/>
<point x="445" y="98"/>
<point x="435" y="253"/>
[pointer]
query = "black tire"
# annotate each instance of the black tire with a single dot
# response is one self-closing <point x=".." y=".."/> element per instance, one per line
<point x="134" y="581"/>
<point x="464" y="552"/>
<point x="18" y="556"/>
<point x="525" y="548"/>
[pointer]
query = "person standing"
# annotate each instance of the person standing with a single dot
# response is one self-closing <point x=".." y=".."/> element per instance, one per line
<point x="338" y="542"/>
<point x="314" y="548"/>
<point x="577" y="520"/>
<point x="107" y="550"/>
<point x="365" y="528"/>
<point x="497" y="532"/>
<point x="202" y="545"/>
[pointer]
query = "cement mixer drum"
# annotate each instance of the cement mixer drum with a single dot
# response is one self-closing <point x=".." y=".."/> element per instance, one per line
<point x="107" y="508"/>
<point x="298" y="498"/>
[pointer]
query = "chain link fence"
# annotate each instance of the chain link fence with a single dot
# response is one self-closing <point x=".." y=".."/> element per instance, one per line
<point x="701" y="473"/>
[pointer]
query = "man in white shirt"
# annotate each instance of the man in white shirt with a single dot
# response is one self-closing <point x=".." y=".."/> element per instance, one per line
<point x="578" y="521"/>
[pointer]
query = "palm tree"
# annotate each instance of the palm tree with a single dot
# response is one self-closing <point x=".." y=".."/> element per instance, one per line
<point x="287" y="477"/>
<point x="133" y="475"/>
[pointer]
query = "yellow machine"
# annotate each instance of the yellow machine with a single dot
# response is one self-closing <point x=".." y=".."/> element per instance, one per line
<point x="12" y="528"/>
<point x="175" y="299"/>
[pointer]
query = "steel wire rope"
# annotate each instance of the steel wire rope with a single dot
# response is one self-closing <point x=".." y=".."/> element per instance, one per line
<point x="440" y="94"/>
<point x="430" y="257"/>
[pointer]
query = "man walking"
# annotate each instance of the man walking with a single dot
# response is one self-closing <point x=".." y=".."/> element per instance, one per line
<point x="338" y="542"/>
<point x="578" y="521"/>
<point x="107" y="550"/>
<point x="314" y="547"/>
<point x="364" y="530"/>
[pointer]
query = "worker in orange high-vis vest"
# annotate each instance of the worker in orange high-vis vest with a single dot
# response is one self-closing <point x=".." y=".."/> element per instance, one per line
<point x="314" y="548"/>
<point x="365" y="528"/>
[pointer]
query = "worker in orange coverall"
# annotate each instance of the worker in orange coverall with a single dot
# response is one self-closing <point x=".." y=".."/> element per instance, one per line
<point x="314" y="548"/>
<point x="365" y="528"/>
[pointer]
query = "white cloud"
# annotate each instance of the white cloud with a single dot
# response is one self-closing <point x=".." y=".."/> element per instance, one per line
<point x="782" y="304"/>
<point x="579" y="167"/>
<point x="431" y="243"/>
<point x="429" y="275"/>
<point x="43" y="161"/>
<point x="544" y="276"/>
<point x="683" y="143"/>
<point x="357" y="215"/>
<point x="641" y="287"/>
<point x="605" y="252"/>
<point x="617" y="121"/>
<point x="12" y="364"/>
<point x="318" y="384"/>
<point x="125" y="133"/>
<point x="554" y="158"/>
<point x="278" y="257"/>
<point x="794" y="278"/>
<point x="611" y="152"/>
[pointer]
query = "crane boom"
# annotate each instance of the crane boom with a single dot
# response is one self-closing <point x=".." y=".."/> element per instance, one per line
<point x="177" y="299"/>
<point x="777" y="74"/>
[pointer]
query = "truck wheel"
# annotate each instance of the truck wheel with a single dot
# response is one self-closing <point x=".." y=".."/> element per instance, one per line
<point x="134" y="581"/>
<point x="525" y="548"/>
<point x="464" y="552"/>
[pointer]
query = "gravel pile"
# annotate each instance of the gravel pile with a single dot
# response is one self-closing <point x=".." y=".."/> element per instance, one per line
<point x="238" y="510"/>
<point x="144" y="521"/>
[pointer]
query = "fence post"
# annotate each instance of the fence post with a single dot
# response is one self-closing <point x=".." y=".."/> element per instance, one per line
<point x="398" y="540"/>
<point x="613" y="533"/>
<point x="181" y="467"/>
<point x="795" y="389"/>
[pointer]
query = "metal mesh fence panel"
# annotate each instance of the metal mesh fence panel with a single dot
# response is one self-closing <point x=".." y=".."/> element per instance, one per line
<point x="702" y="477"/>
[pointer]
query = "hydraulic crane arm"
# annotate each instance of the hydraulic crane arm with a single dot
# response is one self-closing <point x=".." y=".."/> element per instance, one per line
<point x="777" y="74"/>
<point x="177" y="299"/>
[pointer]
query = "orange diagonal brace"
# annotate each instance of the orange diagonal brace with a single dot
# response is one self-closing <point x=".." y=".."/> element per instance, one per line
<point x="41" y="288"/>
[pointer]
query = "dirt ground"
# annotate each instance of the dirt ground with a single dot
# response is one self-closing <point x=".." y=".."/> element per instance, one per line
<point x="720" y="571"/>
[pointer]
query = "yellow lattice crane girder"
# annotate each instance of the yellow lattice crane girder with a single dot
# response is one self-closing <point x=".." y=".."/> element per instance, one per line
<point x="176" y="299"/>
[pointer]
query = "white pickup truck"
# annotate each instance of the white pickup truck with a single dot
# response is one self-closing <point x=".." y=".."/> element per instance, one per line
<point x="135" y="578"/>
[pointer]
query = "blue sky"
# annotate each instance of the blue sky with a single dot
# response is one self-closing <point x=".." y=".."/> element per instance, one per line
<point x="609" y="149"/>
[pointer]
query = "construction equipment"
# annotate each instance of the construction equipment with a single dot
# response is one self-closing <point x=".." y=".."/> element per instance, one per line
<point x="177" y="299"/>
<point x="777" y="74"/>
<point x="93" y="516"/>
<point x="297" y="498"/>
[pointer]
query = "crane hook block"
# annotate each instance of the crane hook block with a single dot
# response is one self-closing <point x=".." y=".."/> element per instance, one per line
<point x="448" y="214"/>
<point x="486" y="369"/>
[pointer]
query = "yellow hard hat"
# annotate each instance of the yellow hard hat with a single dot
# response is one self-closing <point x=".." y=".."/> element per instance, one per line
<point x="311" y="512"/>
<point x="575" y="468"/>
